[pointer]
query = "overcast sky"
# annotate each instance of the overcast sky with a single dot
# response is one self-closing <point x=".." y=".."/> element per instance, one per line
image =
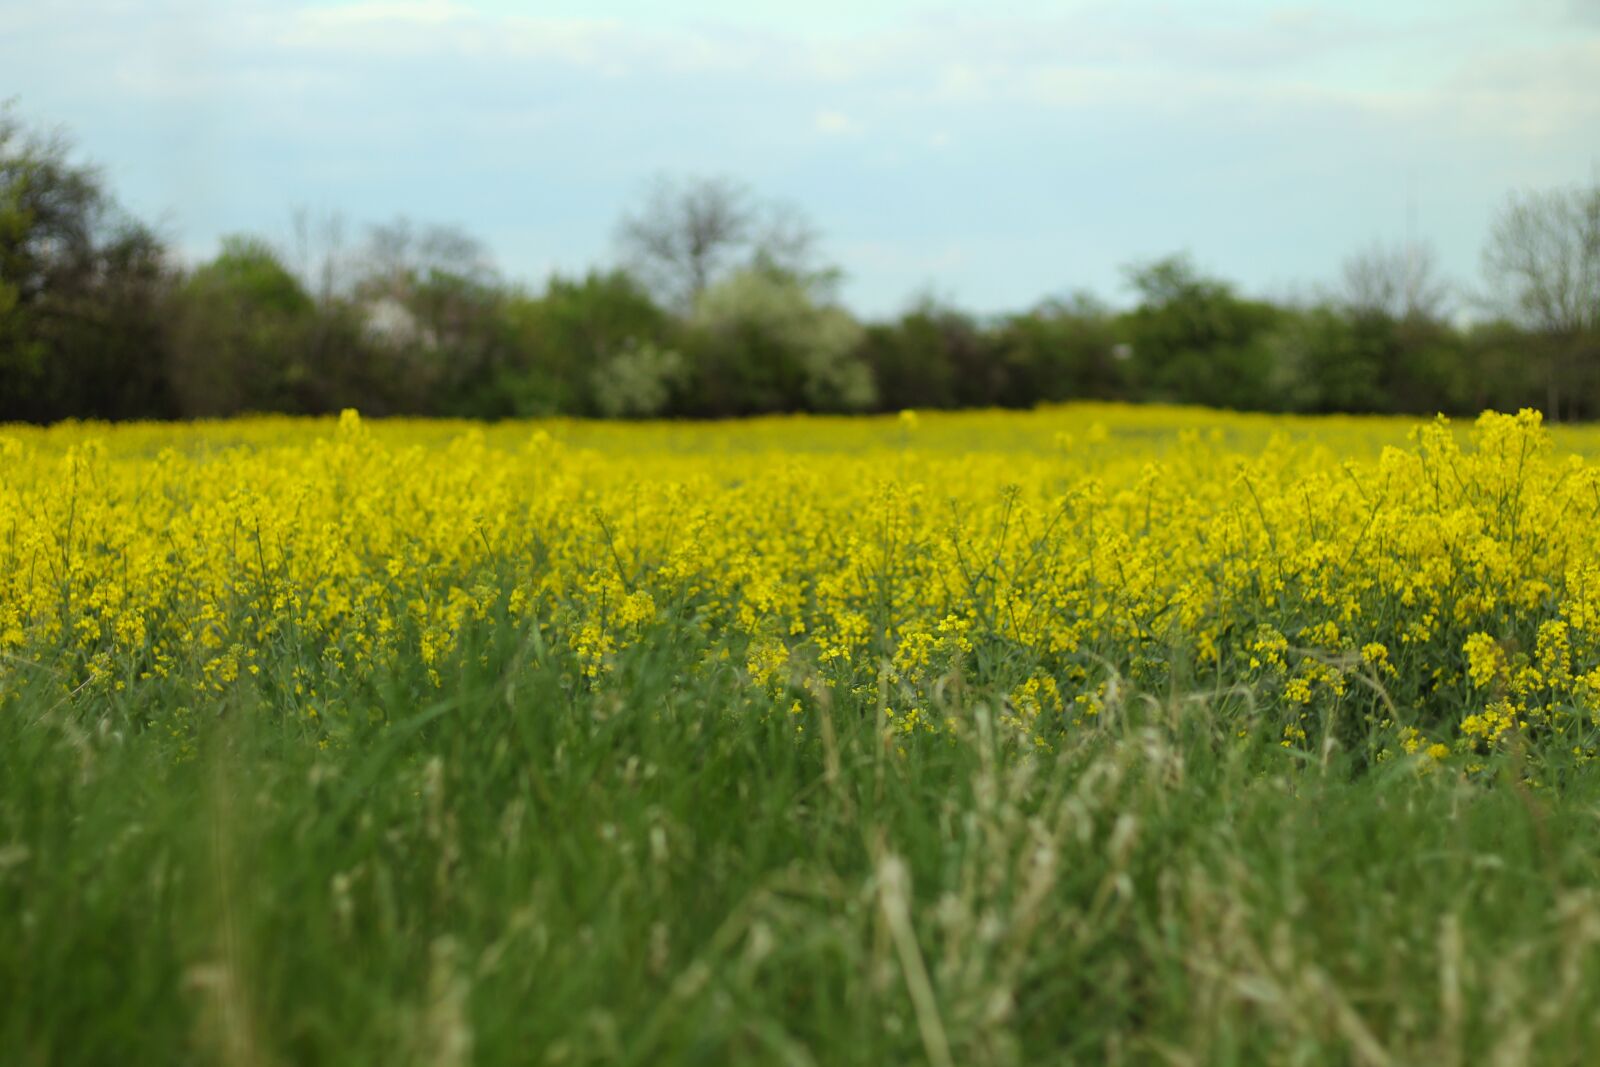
<point x="993" y="153"/>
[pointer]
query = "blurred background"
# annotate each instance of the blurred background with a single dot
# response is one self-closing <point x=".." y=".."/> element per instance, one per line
<point x="487" y="209"/>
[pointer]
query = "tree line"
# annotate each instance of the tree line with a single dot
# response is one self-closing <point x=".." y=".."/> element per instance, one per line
<point x="723" y="308"/>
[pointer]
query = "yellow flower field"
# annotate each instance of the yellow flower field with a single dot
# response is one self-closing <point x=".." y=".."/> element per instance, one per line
<point x="1434" y="586"/>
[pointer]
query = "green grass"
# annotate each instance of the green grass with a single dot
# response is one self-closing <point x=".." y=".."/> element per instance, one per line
<point x="516" y="868"/>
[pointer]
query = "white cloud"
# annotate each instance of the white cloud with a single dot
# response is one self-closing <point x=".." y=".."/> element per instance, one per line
<point x="836" y="124"/>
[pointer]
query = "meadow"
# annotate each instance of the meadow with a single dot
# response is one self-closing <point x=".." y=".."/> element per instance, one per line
<point x="1096" y="734"/>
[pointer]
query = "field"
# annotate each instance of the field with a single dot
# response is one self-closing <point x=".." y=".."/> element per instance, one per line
<point x="1094" y="734"/>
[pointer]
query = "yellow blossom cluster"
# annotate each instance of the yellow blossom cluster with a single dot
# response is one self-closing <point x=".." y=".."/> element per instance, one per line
<point x="1441" y="580"/>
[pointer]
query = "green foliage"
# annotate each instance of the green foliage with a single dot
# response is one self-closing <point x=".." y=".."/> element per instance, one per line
<point x="638" y="382"/>
<point x="1194" y="341"/>
<point x="13" y="229"/>
<point x="914" y="361"/>
<point x="81" y="289"/>
<point x="239" y="330"/>
<point x="1062" y="350"/>
<point x="1497" y="372"/>
<point x="566" y="346"/>
<point x="760" y="341"/>
<point x="456" y="341"/>
<point x="1321" y="365"/>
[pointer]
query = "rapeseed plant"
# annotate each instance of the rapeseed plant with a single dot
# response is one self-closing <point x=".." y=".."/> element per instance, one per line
<point x="1453" y="572"/>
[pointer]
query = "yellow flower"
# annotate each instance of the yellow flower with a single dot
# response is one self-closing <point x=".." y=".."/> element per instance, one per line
<point x="898" y="558"/>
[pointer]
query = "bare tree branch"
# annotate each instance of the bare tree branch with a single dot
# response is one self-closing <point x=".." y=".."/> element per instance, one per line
<point x="1543" y="261"/>
<point x="689" y="232"/>
<point x="1399" y="281"/>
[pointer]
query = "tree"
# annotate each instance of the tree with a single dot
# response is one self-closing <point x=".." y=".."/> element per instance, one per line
<point x="320" y="257"/>
<point x="761" y="341"/>
<point x="430" y="300"/>
<point x="689" y="233"/>
<point x="1194" y="340"/>
<point x="47" y="210"/>
<point x="81" y="290"/>
<point x="936" y="356"/>
<point x="1320" y="366"/>
<point x="240" y="325"/>
<point x="398" y="253"/>
<point x="1334" y="359"/>
<point x="1382" y="344"/>
<point x="591" y="345"/>
<point x="1398" y="281"/>
<point x="1542" y="263"/>
<point x="346" y="368"/>
<point x="1061" y="350"/>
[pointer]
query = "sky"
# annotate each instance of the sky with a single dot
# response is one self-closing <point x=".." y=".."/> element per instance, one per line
<point x="988" y="154"/>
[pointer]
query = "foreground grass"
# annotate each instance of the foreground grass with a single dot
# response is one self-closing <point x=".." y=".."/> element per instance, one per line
<point x="517" y="869"/>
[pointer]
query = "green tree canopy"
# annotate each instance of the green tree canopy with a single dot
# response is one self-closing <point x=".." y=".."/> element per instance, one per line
<point x="81" y="290"/>
<point x="1194" y="340"/>
<point x="240" y="322"/>
<point x="762" y="342"/>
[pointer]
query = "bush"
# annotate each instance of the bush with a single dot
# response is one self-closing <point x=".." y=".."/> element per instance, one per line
<point x="639" y="381"/>
<point x="760" y="342"/>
